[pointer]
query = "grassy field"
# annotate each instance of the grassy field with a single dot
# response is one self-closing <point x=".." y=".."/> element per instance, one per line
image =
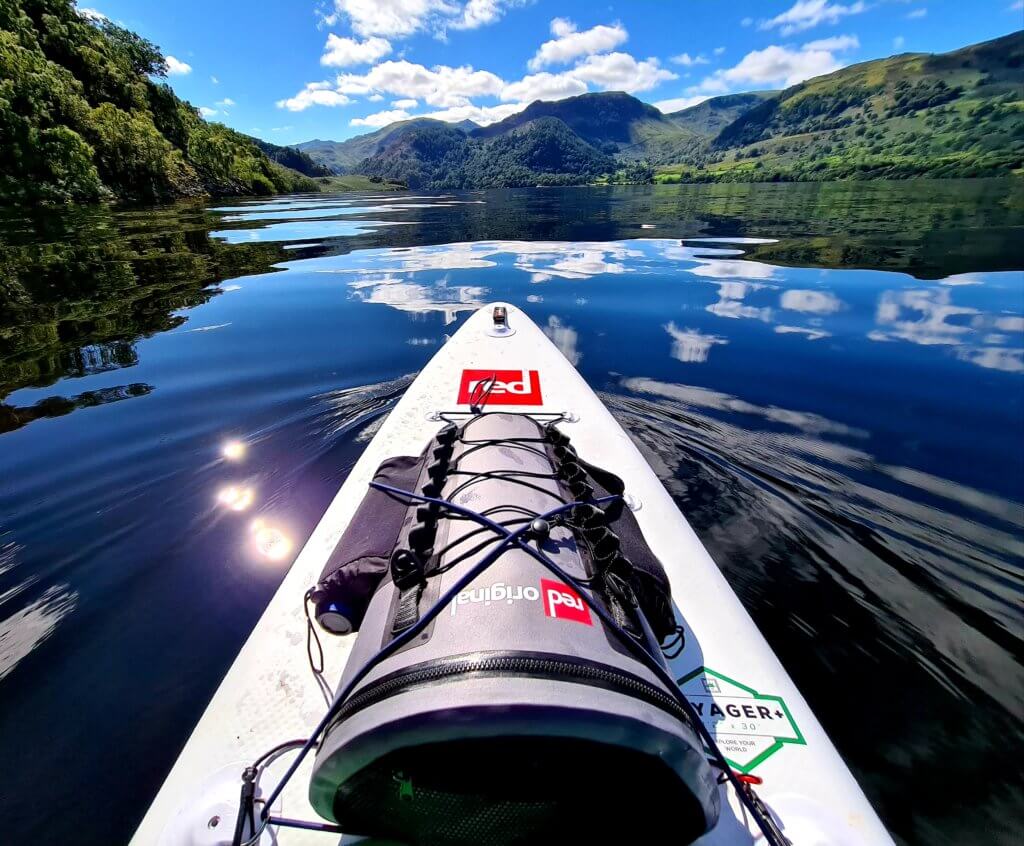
<point x="356" y="182"/>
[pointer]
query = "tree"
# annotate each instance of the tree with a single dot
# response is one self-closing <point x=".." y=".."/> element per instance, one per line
<point x="143" y="56"/>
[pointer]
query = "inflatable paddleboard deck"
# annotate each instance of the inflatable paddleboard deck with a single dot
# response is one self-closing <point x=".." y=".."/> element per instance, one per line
<point x="733" y="680"/>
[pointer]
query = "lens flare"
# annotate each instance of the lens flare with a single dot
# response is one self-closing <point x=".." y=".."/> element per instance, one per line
<point x="236" y="497"/>
<point x="271" y="542"/>
<point x="233" y="450"/>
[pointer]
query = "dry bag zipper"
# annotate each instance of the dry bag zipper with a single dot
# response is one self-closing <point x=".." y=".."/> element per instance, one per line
<point x="532" y="665"/>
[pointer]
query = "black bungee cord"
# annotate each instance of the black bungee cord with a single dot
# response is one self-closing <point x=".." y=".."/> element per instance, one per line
<point x="508" y="538"/>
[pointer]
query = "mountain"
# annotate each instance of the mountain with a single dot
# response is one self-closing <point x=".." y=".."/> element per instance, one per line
<point x="613" y="122"/>
<point x="916" y="114"/>
<point x="709" y="118"/>
<point x="952" y="114"/>
<point x="433" y="155"/>
<point x="292" y="158"/>
<point x="343" y="156"/>
<point x="82" y="119"/>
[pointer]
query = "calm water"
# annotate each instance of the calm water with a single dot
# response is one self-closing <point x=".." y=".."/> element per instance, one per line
<point x="828" y="378"/>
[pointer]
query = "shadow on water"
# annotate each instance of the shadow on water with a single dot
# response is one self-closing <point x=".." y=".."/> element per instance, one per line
<point x="831" y="391"/>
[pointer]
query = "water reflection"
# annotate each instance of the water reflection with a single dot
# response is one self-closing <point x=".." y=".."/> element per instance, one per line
<point x="269" y="541"/>
<point x="827" y="377"/>
<point x="439" y="296"/>
<point x="690" y="346"/>
<point x="233" y="450"/>
<point x="564" y="337"/>
<point x="813" y="302"/>
<point x="236" y="497"/>
<point x="300" y="230"/>
<point x="921" y="317"/>
<point x="405" y="279"/>
<point x="730" y="302"/>
<point x="12" y="417"/>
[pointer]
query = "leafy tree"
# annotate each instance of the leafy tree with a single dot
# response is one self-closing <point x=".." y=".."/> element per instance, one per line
<point x="143" y="56"/>
<point x="81" y="118"/>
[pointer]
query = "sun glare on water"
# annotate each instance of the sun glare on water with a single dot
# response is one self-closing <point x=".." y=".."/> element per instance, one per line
<point x="236" y="497"/>
<point x="233" y="450"/>
<point x="270" y="542"/>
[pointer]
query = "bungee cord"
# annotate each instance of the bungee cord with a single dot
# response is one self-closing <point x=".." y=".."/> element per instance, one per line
<point x="506" y="537"/>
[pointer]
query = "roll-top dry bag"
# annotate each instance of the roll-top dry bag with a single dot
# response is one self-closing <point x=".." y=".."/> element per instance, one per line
<point x="516" y="715"/>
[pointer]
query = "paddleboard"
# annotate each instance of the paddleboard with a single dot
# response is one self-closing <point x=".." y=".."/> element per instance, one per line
<point x="727" y="670"/>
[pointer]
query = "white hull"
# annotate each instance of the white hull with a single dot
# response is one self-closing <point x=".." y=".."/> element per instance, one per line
<point x="763" y="724"/>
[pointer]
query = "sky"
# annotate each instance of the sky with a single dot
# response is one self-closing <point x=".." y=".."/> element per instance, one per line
<point x="293" y="70"/>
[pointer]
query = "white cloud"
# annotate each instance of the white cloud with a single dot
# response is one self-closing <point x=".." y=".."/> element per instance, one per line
<point x="837" y="43"/>
<point x="544" y="86"/>
<point x="718" y="51"/>
<point x="917" y="14"/>
<point x="342" y="52"/>
<point x="477" y="13"/>
<point x="314" y="94"/>
<point x="402" y="18"/>
<point x="621" y="72"/>
<point x="404" y="104"/>
<point x="214" y="80"/>
<point x="375" y="98"/>
<point x="686" y="60"/>
<point x="207" y="112"/>
<point x="898" y="42"/>
<point x="441" y="86"/>
<point x="677" y="104"/>
<point x="92" y="14"/>
<point x="225" y="103"/>
<point x="774" y="65"/>
<point x="805" y="14"/>
<point x="569" y="44"/>
<point x="381" y="118"/>
<point x="385" y="17"/>
<point x="482" y="115"/>
<point x="177" y="68"/>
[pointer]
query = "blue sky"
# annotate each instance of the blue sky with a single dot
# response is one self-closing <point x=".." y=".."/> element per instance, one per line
<point x="290" y="70"/>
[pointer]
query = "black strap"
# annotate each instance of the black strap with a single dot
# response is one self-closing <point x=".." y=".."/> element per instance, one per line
<point x="408" y="611"/>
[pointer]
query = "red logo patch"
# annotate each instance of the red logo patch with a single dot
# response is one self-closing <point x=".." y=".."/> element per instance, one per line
<point x="511" y="387"/>
<point x="563" y="602"/>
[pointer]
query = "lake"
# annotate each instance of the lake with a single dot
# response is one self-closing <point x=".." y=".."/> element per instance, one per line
<point x="829" y="378"/>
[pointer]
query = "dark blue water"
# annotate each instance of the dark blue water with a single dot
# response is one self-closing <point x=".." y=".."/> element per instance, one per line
<point x="828" y="378"/>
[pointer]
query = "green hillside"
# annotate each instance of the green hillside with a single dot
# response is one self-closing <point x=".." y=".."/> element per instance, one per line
<point x="709" y="118"/>
<point x="433" y="155"/>
<point x="83" y="118"/>
<point x="291" y="157"/>
<point x="916" y="114"/>
<point x="343" y="156"/>
<point x="613" y="122"/>
<point x="953" y="114"/>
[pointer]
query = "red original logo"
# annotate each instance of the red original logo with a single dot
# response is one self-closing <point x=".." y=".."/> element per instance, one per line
<point x="510" y="387"/>
<point x="563" y="602"/>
